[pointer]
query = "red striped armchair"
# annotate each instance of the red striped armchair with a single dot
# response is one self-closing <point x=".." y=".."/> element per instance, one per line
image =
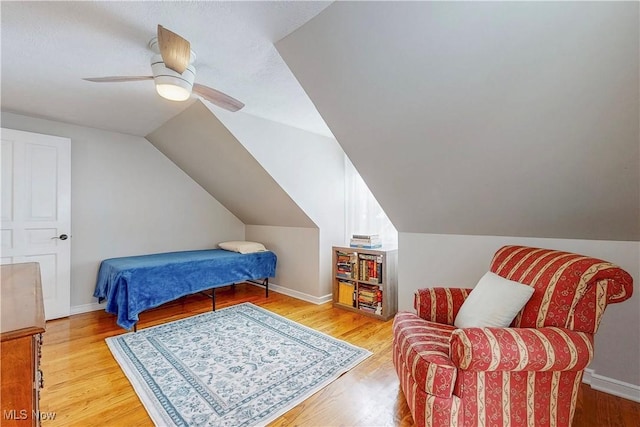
<point x="527" y="374"/>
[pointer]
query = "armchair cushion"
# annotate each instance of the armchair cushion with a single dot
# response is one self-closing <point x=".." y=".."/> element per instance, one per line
<point x="494" y="302"/>
<point x="521" y="349"/>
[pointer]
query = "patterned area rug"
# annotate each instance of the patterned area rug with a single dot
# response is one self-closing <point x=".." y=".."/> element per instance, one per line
<point x="238" y="366"/>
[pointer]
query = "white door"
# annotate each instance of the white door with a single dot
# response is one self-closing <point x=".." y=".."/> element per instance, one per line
<point x="36" y="211"/>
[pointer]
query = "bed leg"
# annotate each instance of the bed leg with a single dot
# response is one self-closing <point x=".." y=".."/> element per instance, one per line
<point x="266" y="287"/>
<point x="213" y="299"/>
<point x="135" y="327"/>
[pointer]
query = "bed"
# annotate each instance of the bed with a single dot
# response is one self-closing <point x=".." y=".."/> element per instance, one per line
<point x="133" y="284"/>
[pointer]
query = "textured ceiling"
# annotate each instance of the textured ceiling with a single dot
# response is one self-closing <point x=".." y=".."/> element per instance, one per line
<point x="48" y="47"/>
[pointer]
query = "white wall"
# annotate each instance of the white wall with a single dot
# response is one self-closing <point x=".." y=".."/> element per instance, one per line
<point x="298" y="259"/>
<point x="127" y="198"/>
<point x="309" y="167"/>
<point x="429" y="260"/>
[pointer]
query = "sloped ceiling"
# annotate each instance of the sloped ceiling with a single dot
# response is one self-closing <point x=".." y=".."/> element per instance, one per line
<point x="204" y="149"/>
<point x="485" y="118"/>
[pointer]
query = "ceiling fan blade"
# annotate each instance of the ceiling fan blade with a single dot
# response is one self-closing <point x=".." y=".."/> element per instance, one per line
<point x="175" y="50"/>
<point x="115" y="79"/>
<point x="218" y="98"/>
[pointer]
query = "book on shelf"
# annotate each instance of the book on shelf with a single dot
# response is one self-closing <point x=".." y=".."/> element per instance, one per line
<point x="370" y="268"/>
<point x="373" y="308"/>
<point x="364" y="281"/>
<point x="346" y="293"/>
<point x="370" y="298"/>
<point x="365" y="241"/>
<point x="365" y="236"/>
<point x="346" y="265"/>
<point x="357" y="245"/>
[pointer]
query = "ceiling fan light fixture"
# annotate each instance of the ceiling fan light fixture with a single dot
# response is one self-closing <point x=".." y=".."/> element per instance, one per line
<point x="173" y="92"/>
<point x="170" y="84"/>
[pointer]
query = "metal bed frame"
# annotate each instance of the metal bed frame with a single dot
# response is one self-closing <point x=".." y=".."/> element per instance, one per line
<point x="212" y="294"/>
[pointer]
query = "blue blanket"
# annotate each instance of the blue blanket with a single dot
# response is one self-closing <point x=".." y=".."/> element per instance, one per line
<point x="134" y="284"/>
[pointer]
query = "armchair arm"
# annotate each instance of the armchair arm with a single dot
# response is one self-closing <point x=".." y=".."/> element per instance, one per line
<point x="521" y="349"/>
<point x="439" y="305"/>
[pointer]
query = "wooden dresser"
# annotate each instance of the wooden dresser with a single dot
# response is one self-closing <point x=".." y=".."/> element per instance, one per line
<point x="22" y="325"/>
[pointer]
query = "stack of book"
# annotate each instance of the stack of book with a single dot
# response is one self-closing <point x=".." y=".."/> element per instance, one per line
<point x="366" y="241"/>
<point x="346" y="265"/>
<point x="369" y="298"/>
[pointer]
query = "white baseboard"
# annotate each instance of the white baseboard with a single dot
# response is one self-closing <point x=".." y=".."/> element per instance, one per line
<point x="299" y="295"/>
<point x="85" y="308"/>
<point x="611" y="386"/>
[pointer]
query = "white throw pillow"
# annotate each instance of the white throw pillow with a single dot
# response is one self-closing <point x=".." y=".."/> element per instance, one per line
<point x="494" y="302"/>
<point x="242" y="246"/>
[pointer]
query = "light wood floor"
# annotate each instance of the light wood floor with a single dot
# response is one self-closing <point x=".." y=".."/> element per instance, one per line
<point x="84" y="385"/>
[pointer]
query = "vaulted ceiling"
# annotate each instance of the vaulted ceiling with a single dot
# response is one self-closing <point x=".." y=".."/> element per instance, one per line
<point x="485" y="118"/>
<point x="203" y="147"/>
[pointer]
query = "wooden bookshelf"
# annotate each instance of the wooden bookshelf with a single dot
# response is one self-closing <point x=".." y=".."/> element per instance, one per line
<point x="365" y="281"/>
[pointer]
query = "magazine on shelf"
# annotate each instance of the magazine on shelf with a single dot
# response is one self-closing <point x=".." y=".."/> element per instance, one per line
<point x="365" y="236"/>
<point x="362" y="246"/>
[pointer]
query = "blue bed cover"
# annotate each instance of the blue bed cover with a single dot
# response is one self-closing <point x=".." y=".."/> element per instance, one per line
<point x="134" y="284"/>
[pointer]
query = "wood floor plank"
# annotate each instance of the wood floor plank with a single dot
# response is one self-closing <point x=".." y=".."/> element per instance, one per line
<point x="85" y="386"/>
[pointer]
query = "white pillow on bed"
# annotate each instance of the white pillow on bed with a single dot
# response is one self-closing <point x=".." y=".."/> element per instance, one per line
<point x="242" y="246"/>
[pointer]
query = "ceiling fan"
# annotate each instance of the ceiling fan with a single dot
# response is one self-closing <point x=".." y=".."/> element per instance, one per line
<point x="174" y="72"/>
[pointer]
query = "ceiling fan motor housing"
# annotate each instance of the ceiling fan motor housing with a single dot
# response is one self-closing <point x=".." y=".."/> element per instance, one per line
<point x="170" y="84"/>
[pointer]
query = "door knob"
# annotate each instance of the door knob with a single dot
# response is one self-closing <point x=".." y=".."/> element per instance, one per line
<point x="61" y="237"/>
